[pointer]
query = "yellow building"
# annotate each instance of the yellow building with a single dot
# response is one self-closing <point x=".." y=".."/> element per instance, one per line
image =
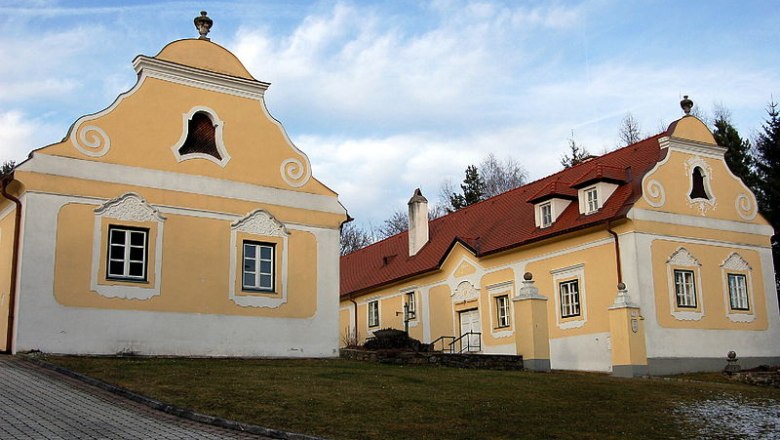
<point x="648" y="259"/>
<point x="179" y="220"/>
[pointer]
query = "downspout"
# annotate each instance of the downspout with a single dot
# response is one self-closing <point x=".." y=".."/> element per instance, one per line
<point x="617" y="253"/>
<point x="356" y="318"/>
<point x="14" y="259"/>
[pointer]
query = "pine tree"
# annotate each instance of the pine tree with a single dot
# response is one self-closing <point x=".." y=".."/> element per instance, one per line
<point x="738" y="151"/>
<point x="578" y="154"/>
<point x="472" y="187"/>
<point x="768" y="170"/>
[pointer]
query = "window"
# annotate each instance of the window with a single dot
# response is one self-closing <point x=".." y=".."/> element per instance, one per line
<point x="738" y="294"/>
<point x="570" y="298"/>
<point x="592" y="200"/>
<point x="546" y="210"/>
<point x="127" y="253"/>
<point x="502" y="310"/>
<point x="411" y="307"/>
<point x="258" y="273"/>
<point x="684" y="288"/>
<point x="201" y="137"/>
<point x="373" y="313"/>
<point x="698" y="190"/>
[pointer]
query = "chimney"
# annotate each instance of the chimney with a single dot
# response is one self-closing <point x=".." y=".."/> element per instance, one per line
<point x="418" y="222"/>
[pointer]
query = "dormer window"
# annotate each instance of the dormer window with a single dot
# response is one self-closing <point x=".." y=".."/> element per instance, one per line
<point x="591" y="200"/>
<point x="546" y="214"/>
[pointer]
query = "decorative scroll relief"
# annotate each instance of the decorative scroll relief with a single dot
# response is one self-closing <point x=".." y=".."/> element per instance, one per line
<point x="130" y="207"/>
<point x="654" y="194"/>
<point x="746" y="208"/>
<point x="260" y="222"/>
<point x="703" y="205"/>
<point x="465" y="292"/>
<point x="295" y="173"/>
<point x="735" y="262"/>
<point x="681" y="257"/>
<point x="90" y="140"/>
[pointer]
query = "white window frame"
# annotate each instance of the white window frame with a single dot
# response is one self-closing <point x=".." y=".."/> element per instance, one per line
<point x="545" y="214"/>
<point x="685" y="288"/>
<point x="683" y="260"/>
<point x="256" y="270"/>
<point x="562" y="275"/>
<point x="410" y="299"/>
<point x="735" y="265"/>
<point x="373" y="313"/>
<point x="738" y="292"/>
<point x="591" y="199"/>
<point x="502" y="311"/>
<point x="126" y="248"/>
<point x="570" y="298"/>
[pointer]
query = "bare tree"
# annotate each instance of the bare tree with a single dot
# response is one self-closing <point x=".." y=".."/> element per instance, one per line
<point x="629" y="131"/>
<point x="6" y="168"/>
<point x="353" y="237"/>
<point x="397" y="223"/>
<point x="500" y="177"/>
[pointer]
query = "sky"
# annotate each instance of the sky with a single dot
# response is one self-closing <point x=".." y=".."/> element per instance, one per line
<point x="388" y="96"/>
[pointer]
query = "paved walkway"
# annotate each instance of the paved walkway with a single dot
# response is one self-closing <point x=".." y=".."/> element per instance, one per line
<point x="36" y="403"/>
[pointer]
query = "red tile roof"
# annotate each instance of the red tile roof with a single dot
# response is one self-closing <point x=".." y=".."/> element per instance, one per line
<point x="504" y="221"/>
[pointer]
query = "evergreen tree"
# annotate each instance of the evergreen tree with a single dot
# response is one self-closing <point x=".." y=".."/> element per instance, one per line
<point x="578" y="154"/>
<point x="7" y="167"/>
<point x="768" y="170"/>
<point x="472" y="187"/>
<point x="738" y="151"/>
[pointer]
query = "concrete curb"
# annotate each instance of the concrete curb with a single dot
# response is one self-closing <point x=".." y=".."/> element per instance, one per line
<point x="171" y="409"/>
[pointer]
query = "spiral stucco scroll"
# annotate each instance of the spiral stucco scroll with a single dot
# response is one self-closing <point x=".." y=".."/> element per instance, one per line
<point x="91" y="140"/>
<point x="295" y="172"/>
<point x="654" y="194"/>
<point x="745" y="207"/>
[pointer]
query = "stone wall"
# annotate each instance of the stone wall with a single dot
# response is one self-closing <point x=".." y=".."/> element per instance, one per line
<point x="464" y="360"/>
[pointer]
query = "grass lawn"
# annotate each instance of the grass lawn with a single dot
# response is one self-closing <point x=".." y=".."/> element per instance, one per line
<point x="343" y="399"/>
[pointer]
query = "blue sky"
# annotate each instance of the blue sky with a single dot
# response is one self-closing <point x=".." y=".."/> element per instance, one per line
<point x="387" y="96"/>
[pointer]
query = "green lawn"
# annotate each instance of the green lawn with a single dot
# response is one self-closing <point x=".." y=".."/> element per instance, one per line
<point x="342" y="399"/>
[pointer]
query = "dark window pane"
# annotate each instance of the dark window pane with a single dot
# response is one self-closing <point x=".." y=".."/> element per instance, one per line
<point x="249" y="251"/>
<point x="249" y="280"/>
<point x="117" y="252"/>
<point x="136" y="269"/>
<point x="116" y="268"/>
<point x="698" y="192"/>
<point x="137" y="254"/>
<point x="265" y="253"/>
<point x="265" y="266"/>
<point x="137" y="238"/>
<point x="249" y="265"/>
<point x="265" y="281"/>
<point x="117" y="236"/>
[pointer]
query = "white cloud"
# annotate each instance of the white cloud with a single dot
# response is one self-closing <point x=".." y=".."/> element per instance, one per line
<point x="20" y="135"/>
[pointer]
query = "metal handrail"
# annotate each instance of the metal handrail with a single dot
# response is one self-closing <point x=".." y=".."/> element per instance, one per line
<point x="468" y="343"/>
<point x="442" y="338"/>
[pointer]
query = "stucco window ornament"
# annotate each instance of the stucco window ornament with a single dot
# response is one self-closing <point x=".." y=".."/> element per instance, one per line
<point x="259" y="223"/>
<point x="129" y="207"/>
<point x="201" y="137"/>
<point x="90" y="140"/>
<point x="699" y="193"/>
<point x="735" y="268"/>
<point x="465" y="292"/>
<point x="683" y="262"/>
<point x="569" y="285"/>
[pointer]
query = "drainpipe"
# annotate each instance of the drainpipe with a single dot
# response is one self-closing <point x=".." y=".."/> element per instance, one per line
<point x="617" y="253"/>
<point x="356" y="317"/>
<point x="14" y="259"/>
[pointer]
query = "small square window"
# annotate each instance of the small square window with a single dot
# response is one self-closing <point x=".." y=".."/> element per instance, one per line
<point x="373" y="313"/>
<point x="570" y="298"/>
<point x="127" y="253"/>
<point x="545" y="211"/>
<point x="685" y="288"/>
<point x="592" y="200"/>
<point x="258" y="273"/>
<point x="502" y="310"/>
<point x="738" y="294"/>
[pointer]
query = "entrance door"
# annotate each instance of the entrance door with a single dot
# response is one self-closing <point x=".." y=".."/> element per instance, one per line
<point x="469" y="322"/>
